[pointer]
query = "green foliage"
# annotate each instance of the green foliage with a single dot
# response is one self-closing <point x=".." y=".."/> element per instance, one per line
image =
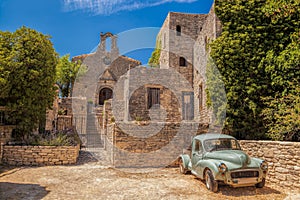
<point x="154" y="59"/>
<point x="281" y="113"/>
<point x="66" y="74"/>
<point x="27" y="76"/>
<point x="61" y="138"/>
<point x="216" y="95"/>
<point x="282" y="117"/>
<point x="254" y="56"/>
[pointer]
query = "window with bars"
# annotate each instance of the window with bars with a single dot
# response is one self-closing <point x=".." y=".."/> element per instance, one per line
<point x="153" y="97"/>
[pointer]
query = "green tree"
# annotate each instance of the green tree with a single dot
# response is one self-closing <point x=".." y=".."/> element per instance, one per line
<point x="252" y="36"/>
<point x="154" y="59"/>
<point x="282" y="110"/>
<point x="66" y="74"/>
<point x="27" y="76"/>
<point x="282" y="116"/>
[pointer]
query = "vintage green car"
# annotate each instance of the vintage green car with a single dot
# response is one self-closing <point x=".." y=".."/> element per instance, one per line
<point x="219" y="158"/>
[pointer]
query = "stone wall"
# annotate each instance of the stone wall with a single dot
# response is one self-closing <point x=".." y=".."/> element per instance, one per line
<point x="176" y="45"/>
<point x="39" y="155"/>
<point x="5" y="133"/>
<point x="51" y="115"/>
<point x="154" y="145"/>
<point x="283" y="159"/>
<point x="5" y="136"/>
<point x="210" y="30"/>
<point x="64" y="122"/>
<point x="138" y="109"/>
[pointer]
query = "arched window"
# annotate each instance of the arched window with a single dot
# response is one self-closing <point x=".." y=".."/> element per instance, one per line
<point x="178" y="30"/>
<point x="182" y="62"/>
<point x="105" y="94"/>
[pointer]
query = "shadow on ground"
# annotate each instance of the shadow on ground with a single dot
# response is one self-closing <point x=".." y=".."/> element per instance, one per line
<point x="251" y="191"/>
<point x="85" y="157"/>
<point x="18" y="191"/>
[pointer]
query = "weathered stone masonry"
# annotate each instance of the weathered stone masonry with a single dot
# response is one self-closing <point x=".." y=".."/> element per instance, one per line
<point x="283" y="159"/>
<point x="39" y="155"/>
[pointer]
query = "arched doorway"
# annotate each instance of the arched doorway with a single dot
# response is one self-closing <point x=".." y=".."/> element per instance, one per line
<point x="105" y="94"/>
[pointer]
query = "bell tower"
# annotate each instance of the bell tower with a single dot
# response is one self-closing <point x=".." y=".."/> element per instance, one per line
<point x="108" y="56"/>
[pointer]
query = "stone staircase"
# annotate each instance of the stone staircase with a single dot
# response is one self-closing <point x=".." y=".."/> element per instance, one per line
<point x="94" y="150"/>
<point x="93" y="132"/>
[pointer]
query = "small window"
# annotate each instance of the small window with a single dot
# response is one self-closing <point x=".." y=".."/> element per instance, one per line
<point x="200" y="97"/>
<point x="153" y="97"/>
<point x="178" y="30"/>
<point x="182" y="62"/>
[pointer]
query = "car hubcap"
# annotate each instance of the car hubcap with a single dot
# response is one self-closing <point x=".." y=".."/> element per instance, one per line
<point x="207" y="181"/>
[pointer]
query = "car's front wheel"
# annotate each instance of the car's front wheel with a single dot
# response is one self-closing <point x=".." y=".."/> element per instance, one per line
<point x="181" y="167"/>
<point x="261" y="184"/>
<point x="211" y="183"/>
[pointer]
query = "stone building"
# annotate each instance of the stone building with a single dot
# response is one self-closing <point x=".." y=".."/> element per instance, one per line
<point x="184" y="39"/>
<point x="183" y="51"/>
<point x="169" y="100"/>
<point x="209" y="31"/>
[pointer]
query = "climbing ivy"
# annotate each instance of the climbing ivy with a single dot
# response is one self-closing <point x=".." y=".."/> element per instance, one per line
<point x="256" y="35"/>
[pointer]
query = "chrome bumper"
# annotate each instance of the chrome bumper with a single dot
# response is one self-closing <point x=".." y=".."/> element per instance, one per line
<point x="242" y="182"/>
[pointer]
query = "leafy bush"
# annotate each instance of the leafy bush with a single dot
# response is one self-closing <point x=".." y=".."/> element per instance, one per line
<point x="60" y="138"/>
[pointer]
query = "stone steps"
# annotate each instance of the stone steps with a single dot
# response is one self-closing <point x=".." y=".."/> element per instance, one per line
<point x="93" y="134"/>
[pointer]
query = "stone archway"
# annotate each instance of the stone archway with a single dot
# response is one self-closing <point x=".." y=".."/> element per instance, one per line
<point x="105" y="94"/>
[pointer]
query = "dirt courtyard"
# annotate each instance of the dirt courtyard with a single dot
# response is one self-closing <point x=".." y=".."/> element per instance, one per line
<point x="94" y="181"/>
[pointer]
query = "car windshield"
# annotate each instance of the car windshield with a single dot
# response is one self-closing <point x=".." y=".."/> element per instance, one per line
<point x="221" y="144"/>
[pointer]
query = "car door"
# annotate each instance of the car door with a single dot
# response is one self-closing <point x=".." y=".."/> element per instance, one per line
<point x="197" y="155"/>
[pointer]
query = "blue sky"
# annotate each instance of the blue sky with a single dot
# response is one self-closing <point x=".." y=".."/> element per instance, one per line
<point x="75" y="25"/>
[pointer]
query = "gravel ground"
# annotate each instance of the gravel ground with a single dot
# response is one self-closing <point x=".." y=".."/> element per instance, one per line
<point x="94" y="181"/>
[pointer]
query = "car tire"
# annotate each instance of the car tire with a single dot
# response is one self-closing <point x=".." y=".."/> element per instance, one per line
<point x="182" y="169"/>
<point x="210" y="182"/>
<point x="261" y="184"/>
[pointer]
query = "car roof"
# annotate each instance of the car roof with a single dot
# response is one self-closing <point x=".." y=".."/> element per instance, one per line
<point x="208" y="136"/>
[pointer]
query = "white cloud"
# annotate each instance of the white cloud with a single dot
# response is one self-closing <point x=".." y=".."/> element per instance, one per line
<point x="106" y="7"/>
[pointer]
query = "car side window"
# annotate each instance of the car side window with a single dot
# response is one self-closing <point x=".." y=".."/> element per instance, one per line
<point x="198" y="147"/>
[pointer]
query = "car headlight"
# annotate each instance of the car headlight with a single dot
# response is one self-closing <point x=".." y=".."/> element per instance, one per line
<point x="222" y="167"/>
<point x="264" y="165"/>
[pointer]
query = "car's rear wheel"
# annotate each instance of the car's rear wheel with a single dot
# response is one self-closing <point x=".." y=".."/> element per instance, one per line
<point x="182" y="169"/>
<point x="261" y="184"/>
<point x="210" y="182"/>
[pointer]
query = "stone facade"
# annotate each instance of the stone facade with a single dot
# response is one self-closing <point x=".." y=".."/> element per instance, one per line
<point x="5" y="136"/>
<point x="208" y="32"/>
<point x="97" y="86"/>
<point x="5" y="133"/>
<point x="187" y="36"/>
<point x="283" y="159"/>
<point x="178" y="35"/>
<point x="39" y="155"/>
<point x="160" y="149"/>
